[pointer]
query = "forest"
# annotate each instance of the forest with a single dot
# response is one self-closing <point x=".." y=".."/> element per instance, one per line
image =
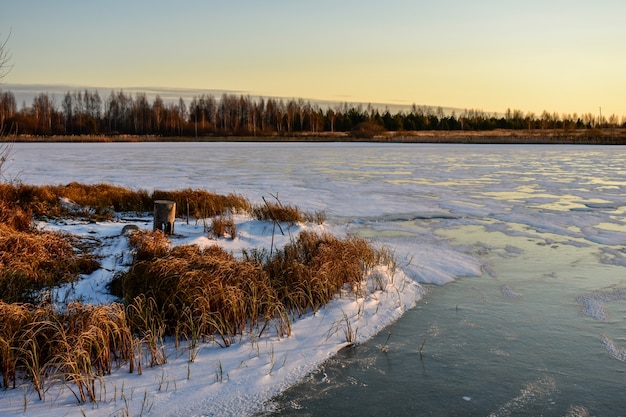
<point x="85" y="112"/>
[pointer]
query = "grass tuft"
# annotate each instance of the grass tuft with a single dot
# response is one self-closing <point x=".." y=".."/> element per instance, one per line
<point x="76" y="346"/>
<point x="277" y="212"/>
<point x="30" y="261"/>
<point x="102" y="201"/>
<point x="223" y="226"/>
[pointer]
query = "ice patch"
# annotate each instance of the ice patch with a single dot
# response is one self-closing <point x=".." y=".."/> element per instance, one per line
<point x="610" y="256"/>
<point x="530" y="393"/>
<point x="614" y="349"/>
<point x="604" y="237"/>
<point x="508" y="292"/>
<point x="577" y="411"/>
<point x="593" y="305"/>
<point x="439" y="266"/>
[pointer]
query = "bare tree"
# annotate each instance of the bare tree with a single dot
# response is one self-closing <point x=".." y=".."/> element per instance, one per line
<point x="5" y="67"/>
<point x="5" y="152"/>
<point x="5" y="57"/>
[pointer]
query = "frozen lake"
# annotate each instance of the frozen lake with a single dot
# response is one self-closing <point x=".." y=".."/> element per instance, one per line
<point x="524" y="247"/>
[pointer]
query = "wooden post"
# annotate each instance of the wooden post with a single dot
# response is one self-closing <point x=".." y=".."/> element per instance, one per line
<point x="164" y="216"/>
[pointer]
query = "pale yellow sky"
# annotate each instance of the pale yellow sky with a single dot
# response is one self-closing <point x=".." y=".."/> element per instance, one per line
<point x="560" y="56"/>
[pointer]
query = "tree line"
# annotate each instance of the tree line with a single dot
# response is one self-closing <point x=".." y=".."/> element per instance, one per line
<point x="85" y="112"/>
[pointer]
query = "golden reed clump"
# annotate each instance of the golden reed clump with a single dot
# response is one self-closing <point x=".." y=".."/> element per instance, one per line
<point x="210" y="292"/>
<point x="206" y="291"/>
<point x="30" y="261"/>
<point x="202" y="204"/>
<point x="278" y="212"/>
<point x="76" y="346"/>
<point x="101" y="201"/>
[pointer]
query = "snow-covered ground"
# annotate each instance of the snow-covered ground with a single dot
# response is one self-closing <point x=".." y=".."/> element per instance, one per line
<point x="221" y="381"/>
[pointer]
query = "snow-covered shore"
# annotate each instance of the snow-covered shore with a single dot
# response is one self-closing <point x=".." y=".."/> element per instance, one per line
<point x="237" y="380"/>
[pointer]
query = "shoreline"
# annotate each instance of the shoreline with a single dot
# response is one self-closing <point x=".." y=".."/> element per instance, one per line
<point x="612" y="136"/>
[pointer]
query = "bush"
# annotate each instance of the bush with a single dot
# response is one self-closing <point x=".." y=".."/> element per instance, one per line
<point x="367" y="130"/>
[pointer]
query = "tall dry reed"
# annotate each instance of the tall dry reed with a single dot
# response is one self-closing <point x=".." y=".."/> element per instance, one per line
<point x="74" y="347"/>
<point x="277" y="212"/>
<point x="198" y="293"/>
<point x="308" y="272"/>
<point x="101" y="201"/>
<point x="30" y="261"/>
<point x="202" y="204"/>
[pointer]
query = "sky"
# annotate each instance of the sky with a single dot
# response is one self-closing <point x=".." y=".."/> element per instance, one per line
<point x="563" y="56"/>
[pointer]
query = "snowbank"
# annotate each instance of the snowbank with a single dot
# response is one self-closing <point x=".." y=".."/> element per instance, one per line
<point x="221" y="381"/>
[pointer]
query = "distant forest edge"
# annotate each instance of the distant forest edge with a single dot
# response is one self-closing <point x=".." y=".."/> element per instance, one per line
<point x="84" y="115"/>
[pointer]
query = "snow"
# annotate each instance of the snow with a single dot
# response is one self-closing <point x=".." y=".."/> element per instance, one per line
<point x="220" y="381"/>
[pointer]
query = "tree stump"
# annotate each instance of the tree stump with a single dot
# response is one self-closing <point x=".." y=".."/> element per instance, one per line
<point x="164" y="216"/>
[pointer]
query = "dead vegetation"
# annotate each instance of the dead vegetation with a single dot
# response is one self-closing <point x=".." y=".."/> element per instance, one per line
<point x="75" y="347"/>
<point x="97" y="202"/>
<point x="277" y="212"/>
<point x="31" y="261"/>
<point x="223" y="226"/>
<point x="20" y="202"/>
<point x="102" y="201"/>
<point x="207" y="292"/>
<point x="185" y="293"/>
<point x="308" y="272"/>
<point x="202" y="204"/>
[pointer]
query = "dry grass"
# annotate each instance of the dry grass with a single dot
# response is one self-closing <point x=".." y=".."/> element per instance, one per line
<point x="186" y="292"/>
<point x="101" y="201"/>
<point x="223" y="226"/>
<point x="105" y="198"/>
<point x="30" y="261"/>
<point x="13" y="319"/>
<point x="199" y="293"/>
<point x="97" y="201"/>
<point x="317" y="217"/>
<point x="202" y="204"/>
<point x="149" y="245"/>
<point x="278" y="213"/>
<point x="75" y="347"/>
<point x="15" y="218"/>
<point x="310" y="271"/>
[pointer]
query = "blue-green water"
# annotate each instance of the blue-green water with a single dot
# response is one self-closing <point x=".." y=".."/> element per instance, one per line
<point x="512" y="342"/>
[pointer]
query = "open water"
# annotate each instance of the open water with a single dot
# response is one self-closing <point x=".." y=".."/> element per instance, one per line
<point x="522" y="250"/>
